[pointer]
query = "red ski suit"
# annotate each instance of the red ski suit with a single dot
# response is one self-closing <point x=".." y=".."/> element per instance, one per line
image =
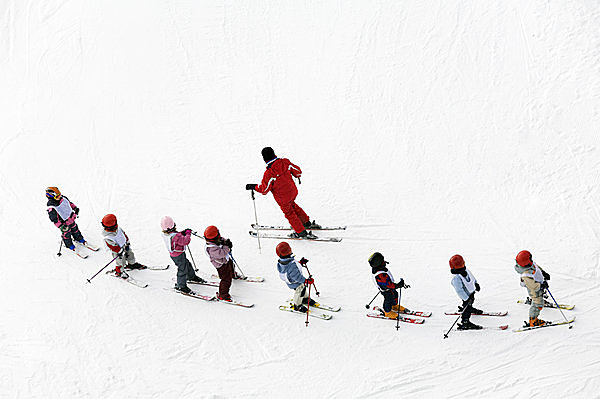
<point x="278" y="180"/>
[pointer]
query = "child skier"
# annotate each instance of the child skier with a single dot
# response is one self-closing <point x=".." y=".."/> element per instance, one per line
<point x="290" y="273"/>
<point x="176" y="243"/>
<point x="535" y="279"/>
<point x="117" y="241"/>
<point x="385" y="283"/>
<point x="278" y="179"/>
<point x="465" y="284"/>
<point x="63" y="213"/>
<point x="218" y="250"/>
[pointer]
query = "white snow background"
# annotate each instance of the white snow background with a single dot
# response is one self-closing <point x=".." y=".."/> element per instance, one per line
<point x="430" y="128"/>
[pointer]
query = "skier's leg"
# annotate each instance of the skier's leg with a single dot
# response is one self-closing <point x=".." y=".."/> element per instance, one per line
<point x="182" y="272"/>
<point x="129" y="257"/>
<point x="291" y="216"/>
<point x="299" y="295"/>
<point x="66" y="237"/>
<point x="76" y="233"/>
<point x="300" y="213"/>
<point x="537" y="297"/>
<point x="226" y="275"/>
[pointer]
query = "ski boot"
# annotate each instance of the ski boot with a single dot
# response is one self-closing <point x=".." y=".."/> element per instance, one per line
<point x="300" y="308"/>
<point x="311" y="225"/>
<point x="399" y="309"/>
<point x="391" y="314"/>
<point x="476" y="311"/>
<point x="197" y="279"/>
<point x="305" y="302"/>
<point x="306" y="235"/>
<point x="185" y="290"/>
<point x="467" y="325"/>
<point x="226" y="297"/>
<point x="535" y="322"/>
<point x="136" y="266"/>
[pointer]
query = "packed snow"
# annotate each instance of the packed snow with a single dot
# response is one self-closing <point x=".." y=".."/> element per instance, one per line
<point x="429" y="128"/>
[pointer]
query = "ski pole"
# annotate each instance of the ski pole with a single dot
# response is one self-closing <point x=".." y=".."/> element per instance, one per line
<point x="368" y="305"/>
<point x="308" y="304"/>
<point x="89" y="280"/>
<point x="236" y="265"/>
<point x="60" y="248"/>
<point x="310" y="274"/>
<point x="456" y="321"/>
<point x="192" y="258"/>
<point x="256" y="220"/>
<point x="398" y="314"/>
<point x="559" y="308"/>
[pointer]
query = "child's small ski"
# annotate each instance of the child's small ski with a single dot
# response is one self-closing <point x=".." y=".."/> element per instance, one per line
<point x="286" y="237"/>
<point x="481" y="314"/>
<point x="193" y="294"/>
<point x="209" y="283"/>
<point x="89" y="246"/>
<point x="548" y="324"/>
<point x="247" y="279"/>
<point x="142" y="268"/>
<point x="131" y="281"/>
<point x="236" y="303"/>
<point x="321" y="306"/>
<point x="402" y="318"/>
<point x="408" y="312"/>
<point x="265" y="227"/>
<point x="311" y="313"/>
<point x="504" y="327"/>
<point x="547" y="304"/>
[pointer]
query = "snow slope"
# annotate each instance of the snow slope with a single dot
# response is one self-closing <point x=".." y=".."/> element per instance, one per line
<point x="430" y="128"/>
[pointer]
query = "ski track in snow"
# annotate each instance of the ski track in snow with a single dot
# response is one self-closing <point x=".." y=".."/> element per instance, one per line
<point x="428" y="129"/>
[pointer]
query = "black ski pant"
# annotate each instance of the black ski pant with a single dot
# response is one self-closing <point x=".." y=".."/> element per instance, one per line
<point x="390" y="298"/>
<point x="467" y="308"/>
<point x="74" y="233"/>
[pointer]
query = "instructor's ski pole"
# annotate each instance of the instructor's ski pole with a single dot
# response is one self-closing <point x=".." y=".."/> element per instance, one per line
<point x="256" y="220"/>
<point x="368" y="305"/>
<point x="89" y="280"/>
<point x="559" y="308"/>
<point x="303" y="262"/>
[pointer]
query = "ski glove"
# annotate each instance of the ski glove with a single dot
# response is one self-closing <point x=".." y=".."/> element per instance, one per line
<point x="309" y="281"/>
<point x="400" y="284"/>
<point x="250" y="186"/>
<point x="544" y="285"/>
<point x="64" y="228"/>
<point x="477" y="287"/>
<point x="76" y="210"/>
<point x="303" y="261"/>
<point x="228" y="243"/>
<point x="545" y="274"/>
<point x="186" y="232"/>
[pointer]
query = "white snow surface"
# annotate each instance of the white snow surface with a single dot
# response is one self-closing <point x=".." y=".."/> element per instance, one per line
<point x="430" y="128"/>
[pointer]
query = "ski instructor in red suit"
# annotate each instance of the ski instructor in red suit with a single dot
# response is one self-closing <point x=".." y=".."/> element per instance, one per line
<point x="278" y="180"/>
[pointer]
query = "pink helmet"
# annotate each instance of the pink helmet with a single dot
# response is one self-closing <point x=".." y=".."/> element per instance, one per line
<point x="166" y="223"/>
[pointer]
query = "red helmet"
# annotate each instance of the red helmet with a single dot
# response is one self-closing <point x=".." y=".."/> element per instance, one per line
<point x="211" y="233"/>
<point x="457" y="262"/>
<point x="283" y="249"/>
<point x="109" y="222"/>
<point x="524" y="258"/>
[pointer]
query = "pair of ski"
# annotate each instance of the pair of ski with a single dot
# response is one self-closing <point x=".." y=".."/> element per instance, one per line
<point x="126" y="277"/>
<point x="216" y="284"/>
<point x="548" y="304"/>
<point x="259" y="228"/>
<point x="289" y="307"/>
<point x="497" y="314"/>
<point x="78" y="251"/>
<point x="403" y="316"/>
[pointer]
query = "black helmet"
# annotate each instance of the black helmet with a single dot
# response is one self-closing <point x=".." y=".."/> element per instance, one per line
<point x="268" y="154"/>
<point x="377" y="260"/>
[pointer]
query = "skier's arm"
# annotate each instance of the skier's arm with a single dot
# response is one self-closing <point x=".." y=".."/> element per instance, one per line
<point x="53" y="215"/>
<point x="295" y="170"/>
<point x="112" y="245"/>
<point x="294" y="274"/>
<point x="267" y="182"/>
<point x="460" y="290"/>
